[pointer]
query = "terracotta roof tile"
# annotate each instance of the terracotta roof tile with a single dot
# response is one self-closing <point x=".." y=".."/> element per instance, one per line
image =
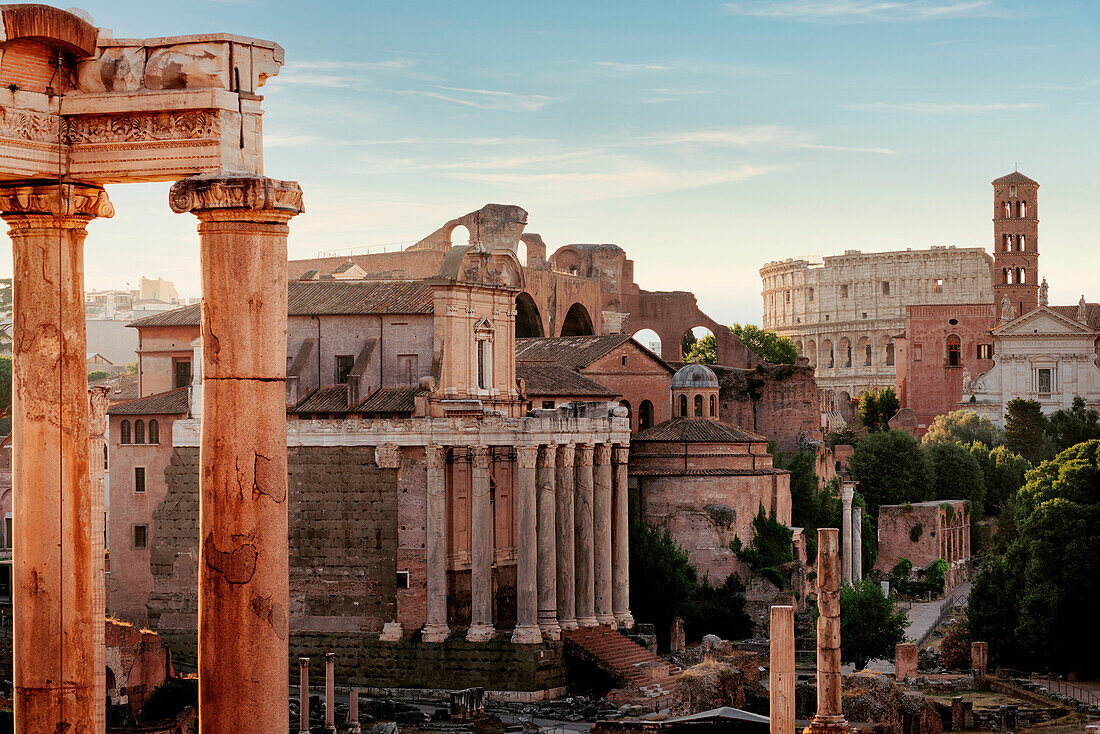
<point x="391" y="400"/>
<point x="333" y="399"/>
<point x="544" y="379"/>
<point x="569" y="351"/>
<point x="1015" y="177"/>
<point x="1092" y="314"/>
<point x="697" y="430"/>
<point x="173" y="402"/>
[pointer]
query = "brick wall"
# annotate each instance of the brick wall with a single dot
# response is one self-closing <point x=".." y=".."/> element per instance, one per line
<point x="778" y="401"/>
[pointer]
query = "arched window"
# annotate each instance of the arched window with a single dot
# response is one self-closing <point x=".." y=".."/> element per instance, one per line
<point x="139" y="431"/>
<point x="1021" y="243"/>
<point x="954" y="351"/>
<point x="1021" y="276"/>
<point x="1021" y="209"/>
<point x="483" y="341"/>
<point x="713" y="407"/>
<point x="1008" y="210"/>
<point x="890" y="353"/>
<point x="1006" y="276"/>
<point x="645" y="415"/>
<point x="698" y="406"/>
<point x="867" y="357"/>
<point x="154" y="432"/>
<point x="124" y="432"/>
<point x="1006" y="243"/>
<point x="683" y="406"/>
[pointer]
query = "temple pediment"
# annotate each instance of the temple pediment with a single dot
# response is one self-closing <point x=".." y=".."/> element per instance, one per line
<point x="1042" y="320"/>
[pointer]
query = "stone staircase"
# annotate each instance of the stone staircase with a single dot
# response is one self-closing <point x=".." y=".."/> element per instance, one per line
<point x="629" y="664"/>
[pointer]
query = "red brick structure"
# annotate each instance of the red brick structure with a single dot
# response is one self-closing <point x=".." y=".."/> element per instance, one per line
<point x="1016" y="242"/>
<point x="777" y="400"/>
<point x="137" y="662"/>
<point x="924" y="532"/>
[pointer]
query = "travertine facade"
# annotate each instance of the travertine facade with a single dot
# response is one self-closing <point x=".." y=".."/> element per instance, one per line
<point x="844" y="312"/>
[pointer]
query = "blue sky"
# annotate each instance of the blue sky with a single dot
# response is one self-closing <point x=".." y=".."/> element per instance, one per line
<point x="706" y="138"/>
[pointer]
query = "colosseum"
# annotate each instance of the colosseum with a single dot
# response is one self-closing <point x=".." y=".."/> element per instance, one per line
<point x="844" y="312"/>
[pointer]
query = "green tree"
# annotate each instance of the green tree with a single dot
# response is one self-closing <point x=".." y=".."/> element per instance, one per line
<point x="95" y="375"/>
<point x="963" y="426"/>
<point x="877" y="407"/>
<point x="1005" y="473"/>
<point x="869" y="625"/>
<point x="130" y="369"/>
<point x="994" y="609"/>
<point x="766" y="344"/>
<point x="705" y="350"/>
<point x="1026" y="430"/>
<point x="769" y="549"/>
<point x="687" y="344"/>
<point x="891" y="469"/>
<point x="5" y="384"/>
<point x="1070" y="427"/>
<point x="5" y="295"/>
<point x="958" y="475"/>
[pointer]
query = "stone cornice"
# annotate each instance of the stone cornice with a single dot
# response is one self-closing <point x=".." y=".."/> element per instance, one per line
<point x="51" y="199"/>
<point x="217" y="192"/>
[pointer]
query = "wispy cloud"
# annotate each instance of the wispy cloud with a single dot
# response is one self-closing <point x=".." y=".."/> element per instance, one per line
<point x="949" y="108"/>
<point x="863" y="11"/>
<point x="630" y="68"/>
<point x="485" y="99"/>
<point x="759" y="137"/>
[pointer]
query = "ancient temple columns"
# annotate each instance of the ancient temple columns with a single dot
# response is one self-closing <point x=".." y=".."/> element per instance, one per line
<point x="620" y="571"/>
<point x="243" y="569"/>
<point x="857" y="544"/>
<point x="829" y="717"/>
<point x="303" y="695"/>
<point x="601" y="534"/>
<point x="97" y="406"/>
<point x="847" y="492"/>
<point x="481" y="548"/>
<point x="330" y="693"/>
<point x="567" y="609"/>
<point x="584" y="552"/>
<point x="435" y="628"/>
<point x="547" y="547"/>
<point x="781" y="674"/>
<point x="54" y="611"/>
<point x="527" y="630"/>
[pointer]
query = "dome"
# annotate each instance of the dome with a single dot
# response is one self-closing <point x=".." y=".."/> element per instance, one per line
<point x="694" y="376"/>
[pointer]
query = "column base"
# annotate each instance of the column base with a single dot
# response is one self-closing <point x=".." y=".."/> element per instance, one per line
<point x="828" y="725"/>
<point x="568" y="624"/>
<point x="330" y="730"/>
<point x="607" y="620"/>
<point x="588" y="622"/>
<point x="480" y="633"/>
<point x="551" y="632"/>
<point x="527" y="634"/>
<point x="435" y="633"/>
<point x="624" y="620"/>
<point x="391" y="632"/>
<point x="355" y="728"/>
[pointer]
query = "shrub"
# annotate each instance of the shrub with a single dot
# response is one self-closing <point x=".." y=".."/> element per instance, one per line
<point x="955" y="646"/>
<point x="169" y="698"/>
<point x="936" y="575"/>
<point x="916" y="532"/>
<point x="869" y="625"/>
<point x="771" y="543"/>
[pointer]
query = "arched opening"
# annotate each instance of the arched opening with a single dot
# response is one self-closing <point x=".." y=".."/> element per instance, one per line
<point x="111" y="684"/>
<point x="1007" y="209"/>
<point x="139" y="431"/>
<point x="888" y="351"/>
<point x="649" y="339"/>
<point x="798" y="347"/>
<point x="521" y="253"/>
<point x="713" y="406"/>
<point x="460" y="235"/>
<point x="1006" y="243"/>
<point x="864" y="351"/>
<point x="577" y="322"/>
<point x="828" y="358"/>
<point x="811" y="352"/>
<point x="528" y="320"/>
<point x="645" y="415"/>
<point x="954" y="351"/>
<point x="1021" y="243"/>
<point x="844" y="406"/>
<point x="699" y="342"/>
<point x="683" y="406"/>
<point x="154" y="432"/>
<point x="629" y="412"/>
<point x="1021" y="276"/>
<point x="698" y="406"/>
<point x="124" y="432"/>
<point x="845" y="352"/>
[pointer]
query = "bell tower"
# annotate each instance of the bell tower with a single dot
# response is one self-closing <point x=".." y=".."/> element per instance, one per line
<point x="1016" y="242"/>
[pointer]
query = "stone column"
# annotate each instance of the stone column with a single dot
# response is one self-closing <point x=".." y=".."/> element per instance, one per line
<point x="601" y="534"/>
<point x="905" y="661"/>
<point x="781" y="676"/>
<point x="435" y="627"/>
<point x="481" y="548"/>
<point x="354" y="727"/>
<point x="97" y="407"/>
<point x="53" y="570"/>
<point x="979" y="657"/>
<point x="584" y="557"/>
<point x="548" y="553"/>
<point x="243" y="566"/>
<point x="527" y="541"/>
<point x="303" y="695"/>
<point x="620" y="592"/>
<point x="857" y="544"/>
<point x="829" y="717"/>
<point x="566" y="584"/>
<point x="330" y="693"/>
<point x="846" y="495"/>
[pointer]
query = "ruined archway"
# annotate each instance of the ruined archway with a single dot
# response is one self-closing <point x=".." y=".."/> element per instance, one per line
<point x="699" y="342"/>
<point x="577" y="322"/>
<point x="649" y="339"/>
<point x="528" y="318"/>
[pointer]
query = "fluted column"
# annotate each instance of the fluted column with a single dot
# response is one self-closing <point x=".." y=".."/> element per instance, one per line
<point x="53" y="569"/>
<point x="566" y="584"/>
<point x="846" y="496"/>
<point x="620" y="602"/>
<point x="330" y="693"/>
<point x="435" y="626"/>
<point x="584" y="556"/>
<point x="829" y="716"/>
<point x="243" y="565"/>
<point x="481" y="548"/>
<point x="303" y="695"/>
<point x="857" y="544"/>
<point x="98" y="402"/>
<point x="601" y="534"/>
<point x="781" y="675"/>
<point x="548" y="552"/>
<point x="527" y="629"/>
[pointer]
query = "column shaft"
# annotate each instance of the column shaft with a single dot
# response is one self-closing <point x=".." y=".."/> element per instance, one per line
<point x="527" y="629"/>
<point x="857" y="544"/>
<point x="620" y="603"/>
<point x="330" y="693"/>
<point x="566" y="584"/>
<point x="481" y="548"/>
<point x="601" y="534"/>
<point x="846" y="493"/>
<point x="829" y="713"/>
<point x="243" y="565"/>
<point x="781" y="675"/>
<point x="584" y="556"/>
<point x="53" y="570"/>
<point x="97" y="406"/>
<point x="548" y="555"/>
<point x="435" y="627"/>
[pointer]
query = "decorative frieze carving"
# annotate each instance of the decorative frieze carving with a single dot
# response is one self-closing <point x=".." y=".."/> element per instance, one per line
<point x="200" y="193"/>
<point x="142" y="126"/>
<point x="30" y="125"/>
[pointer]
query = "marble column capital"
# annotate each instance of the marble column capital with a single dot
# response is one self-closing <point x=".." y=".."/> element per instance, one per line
<point x="436" y="456"/>
<point x="583" y="455"/>
<point x="548" y="456"/>
<point x="526" y="456"/>
<point x="481" y="456"/>
<point x="213" y="197"/>
<point x="567" y="453"/>
<point x="621" y="454"/>
<point x="387" y="456"/>
<point x="66" y="205"/>
<point x="603" y="453"/>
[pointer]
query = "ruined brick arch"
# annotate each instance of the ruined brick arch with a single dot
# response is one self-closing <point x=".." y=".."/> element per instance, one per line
<point x="528" y="318"/>
<point x="577" y="322"/>
<point x="671" y="314"/>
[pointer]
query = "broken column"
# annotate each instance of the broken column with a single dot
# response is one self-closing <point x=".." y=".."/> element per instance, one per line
<point x="330" y="693"/>
<point x="527" y="629"/>
<point x="243" y="568"/>
<point x="547" y="551"/>
<point x="979" y="657"/>
<point x="584" y="557"/>
<point x="435" y="626"/>
<point x="481" y="548"/>
<point x="905" y="661"/>
<point x="620" y="602"/>
<point x="53" y="571"/>
<point x="566" y="583"/>
<point x="829" y="717"/>
<point x="601" y="535"/>
<point x="857" y="544"/>
<point x="354" y="727"/>
<point x="781" y="675"/>
<point x="847" y="492"/>
<point x="303" y="695"/>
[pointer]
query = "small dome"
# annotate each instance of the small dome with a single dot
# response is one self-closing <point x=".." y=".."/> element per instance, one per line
<point x="694" y="375"/>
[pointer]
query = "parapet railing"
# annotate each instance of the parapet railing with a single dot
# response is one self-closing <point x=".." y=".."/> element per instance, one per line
<point x="953" y="601"/>
<point x="1055" y="686"/>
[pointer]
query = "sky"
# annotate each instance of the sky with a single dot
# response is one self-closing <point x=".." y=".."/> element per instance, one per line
<point x="704" y="137"/>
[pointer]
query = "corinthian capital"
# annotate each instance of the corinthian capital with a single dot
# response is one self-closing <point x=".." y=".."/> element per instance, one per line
<point x="60" y="200"/>
<point x="214" y="192"/>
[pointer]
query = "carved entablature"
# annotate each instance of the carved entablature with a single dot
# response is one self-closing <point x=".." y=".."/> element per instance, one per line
<point x="145" y="126"/>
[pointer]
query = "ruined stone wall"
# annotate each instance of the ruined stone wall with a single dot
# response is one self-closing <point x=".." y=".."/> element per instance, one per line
<point x="778" y="401"/>
<point x="555" y="293"/>
<point x="405" y="264"/>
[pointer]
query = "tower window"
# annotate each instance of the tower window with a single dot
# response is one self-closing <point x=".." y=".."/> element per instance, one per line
<point x="843" y="291"/>
<point x="624" y="360"/>
<point x="140" y="537"/>
<point x="344" y="364"/>
<point x="698" y="406"/>
<point x="885" y="287"/>
<point x="713" y="408"/>
<point x="1006" y="243"/>
<point x="139" y="480"/>
<point x="1021" y="276"/>
<point x="1021" y="243"/>
<point x="683" y="406"/>
<point x="937" y="285"/>
<point x="1007" y="209"/>
<point x="985" y="351"/>
<point x="1012" y="191"/>
<point x="954" y="351"/>
<point x="124" y="432"/>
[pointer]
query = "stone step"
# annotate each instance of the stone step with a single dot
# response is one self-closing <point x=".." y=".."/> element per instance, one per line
<point x="624" y="660"/>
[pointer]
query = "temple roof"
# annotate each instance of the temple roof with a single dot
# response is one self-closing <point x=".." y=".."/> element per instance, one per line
<point x="545" y="379"/>
<point x="697" y="430"/>
<point x="575" y="352"/>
